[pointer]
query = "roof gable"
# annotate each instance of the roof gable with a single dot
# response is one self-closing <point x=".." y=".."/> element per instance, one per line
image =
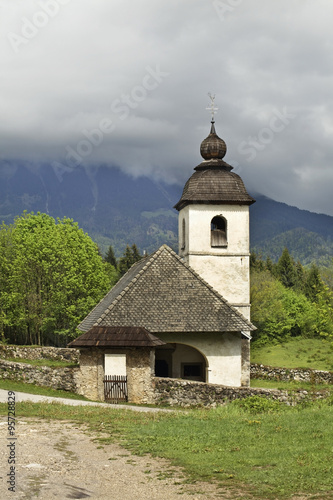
<point x="163" y="294"/>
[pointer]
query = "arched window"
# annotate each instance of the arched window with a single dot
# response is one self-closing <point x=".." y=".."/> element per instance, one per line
<point x="183" y="235"/>
<point x="218" y="232"/>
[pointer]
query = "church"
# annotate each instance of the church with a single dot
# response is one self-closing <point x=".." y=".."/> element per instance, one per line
<point x="183" y="316"/>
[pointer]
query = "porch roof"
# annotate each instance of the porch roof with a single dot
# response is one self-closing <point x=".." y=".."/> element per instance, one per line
<point x="116" y="336"/>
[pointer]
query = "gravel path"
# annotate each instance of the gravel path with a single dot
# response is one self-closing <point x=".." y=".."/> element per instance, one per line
<point x="35" y="398"/>
<point x="59" y="460"/>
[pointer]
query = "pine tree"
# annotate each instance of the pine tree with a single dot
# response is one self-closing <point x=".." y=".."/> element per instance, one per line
<point x="135" y="253"/>
<point x="110" y="257"/>
<point x="313" y="284"/>
<point x="285" y="269"/>
<point x="130" y="256"/>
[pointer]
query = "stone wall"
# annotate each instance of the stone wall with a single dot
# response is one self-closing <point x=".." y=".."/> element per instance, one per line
<point x="87" y="379"/>
<point x="185" y="393"/>
<point x="139" y="367"/>
<point x="91" y="374"/>
<point x="57" y="378"/>
<point x="30" y="352"/>
<point x="298" y="374"/>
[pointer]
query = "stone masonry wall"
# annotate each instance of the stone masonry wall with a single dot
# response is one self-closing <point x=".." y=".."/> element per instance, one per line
<point x="29" y="352"/>
<point x="57" y="378"/>
<point x="87" y="379"/>
<point x="139" y="370"/>
<point x="298" y="374"/>
<point x="90" y="375"/>
<point x="185" y="393"/>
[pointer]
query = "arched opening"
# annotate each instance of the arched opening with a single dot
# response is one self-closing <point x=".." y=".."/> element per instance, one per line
<point x="180" y="361"/>
<point x="218" y="231"/>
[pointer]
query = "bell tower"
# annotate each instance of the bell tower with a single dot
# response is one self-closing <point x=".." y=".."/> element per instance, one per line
<point x="213" y="223"/>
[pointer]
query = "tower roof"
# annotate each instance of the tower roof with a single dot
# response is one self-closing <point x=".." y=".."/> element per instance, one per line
<point x="213" y="182"/>
<point x="213" y="147"/>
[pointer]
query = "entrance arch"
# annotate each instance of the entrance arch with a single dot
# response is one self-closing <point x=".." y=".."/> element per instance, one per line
<point x="180" y="361"/>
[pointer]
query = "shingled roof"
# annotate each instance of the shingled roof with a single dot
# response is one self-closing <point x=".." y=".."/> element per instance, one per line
<point x="213" y="182"/>
<point x="163" y="294"/>
<point x="214" y="185"/>
<point x="115" y="336"/>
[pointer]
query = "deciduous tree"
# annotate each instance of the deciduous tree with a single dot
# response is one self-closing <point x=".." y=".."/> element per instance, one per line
<point x="51" y="276"/>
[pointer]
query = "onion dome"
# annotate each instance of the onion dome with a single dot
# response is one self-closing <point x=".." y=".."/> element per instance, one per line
<point x="213" y="182"/>
<point x="213" y="147"/>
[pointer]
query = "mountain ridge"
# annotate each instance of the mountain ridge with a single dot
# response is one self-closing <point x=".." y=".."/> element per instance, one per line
<point x="116" y="209"/>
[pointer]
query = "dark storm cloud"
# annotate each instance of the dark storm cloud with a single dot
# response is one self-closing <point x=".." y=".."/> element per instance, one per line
<point x="125" y="83"/>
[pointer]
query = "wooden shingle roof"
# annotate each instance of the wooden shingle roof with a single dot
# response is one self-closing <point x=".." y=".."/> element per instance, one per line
<point x="163" y="294"/>
<point x="115" y="336"/>
<point x="214" y="185"/>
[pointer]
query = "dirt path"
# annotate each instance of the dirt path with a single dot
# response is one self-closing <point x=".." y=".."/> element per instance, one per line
<point x="60" y="460"/>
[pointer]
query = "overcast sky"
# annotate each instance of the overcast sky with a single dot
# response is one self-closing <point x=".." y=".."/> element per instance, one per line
<point x="125" y="83"/>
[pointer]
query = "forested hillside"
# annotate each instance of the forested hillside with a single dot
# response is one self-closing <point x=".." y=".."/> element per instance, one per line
<point x="116" y="209"/>
<point x="289" y="300"/>
<point x="274" y="226"/>
<point x="52" y="274"/>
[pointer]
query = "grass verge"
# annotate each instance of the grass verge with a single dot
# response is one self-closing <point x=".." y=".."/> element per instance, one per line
<point x="274" y="450"/>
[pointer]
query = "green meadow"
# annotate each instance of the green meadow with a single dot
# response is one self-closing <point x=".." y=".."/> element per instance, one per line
<point x="298" y="352"/>
<point x="266" y="448"/>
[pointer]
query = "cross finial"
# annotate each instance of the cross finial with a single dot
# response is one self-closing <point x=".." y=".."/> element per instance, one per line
<point x="212" y="107"/>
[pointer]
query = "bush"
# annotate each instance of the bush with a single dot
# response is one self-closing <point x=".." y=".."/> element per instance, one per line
<point x="259" y="404"/>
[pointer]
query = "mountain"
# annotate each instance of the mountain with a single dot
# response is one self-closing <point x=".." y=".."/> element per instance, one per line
<point x="112" y="207"/>
<point x="275" y="225"/>
<point x="117" y="209"/>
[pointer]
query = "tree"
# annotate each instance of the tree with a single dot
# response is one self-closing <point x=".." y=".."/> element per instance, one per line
<point x="130" y="256"/>
<point x="110" y="257"/>
<point x="313" y="283"/>
<point x="278" y="312"/>
<point x="324" y="306"/>
<point x="52" y="275"/>
<point x="285" y="269"/>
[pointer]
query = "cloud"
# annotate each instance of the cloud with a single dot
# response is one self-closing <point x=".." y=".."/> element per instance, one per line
<point x="145" y="68"/>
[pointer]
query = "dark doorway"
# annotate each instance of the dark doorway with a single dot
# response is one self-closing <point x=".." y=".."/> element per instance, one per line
<point x="161" y="368"/>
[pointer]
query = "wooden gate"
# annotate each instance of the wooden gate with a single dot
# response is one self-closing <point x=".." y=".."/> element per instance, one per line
<point x="115" y="388"/>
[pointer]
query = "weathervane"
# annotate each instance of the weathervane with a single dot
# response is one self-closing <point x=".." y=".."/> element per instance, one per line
<point x="212" y="107"/>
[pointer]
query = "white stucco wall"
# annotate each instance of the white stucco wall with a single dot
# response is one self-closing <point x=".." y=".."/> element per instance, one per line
<point x="222" y="352"/>
<point x="225" y="269"/>
<point x="115" y="364"/>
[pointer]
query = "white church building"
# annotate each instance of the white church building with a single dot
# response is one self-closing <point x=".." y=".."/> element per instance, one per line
<point x="188" y="315"/>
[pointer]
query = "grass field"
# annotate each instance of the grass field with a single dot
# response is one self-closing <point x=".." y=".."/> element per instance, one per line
<point x="262" y="447"/>
<point x="269" y="450"/>
<point x="296" y="353"/>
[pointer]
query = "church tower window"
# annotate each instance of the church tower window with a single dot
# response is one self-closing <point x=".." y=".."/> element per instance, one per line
<point x="219" y="232"/>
